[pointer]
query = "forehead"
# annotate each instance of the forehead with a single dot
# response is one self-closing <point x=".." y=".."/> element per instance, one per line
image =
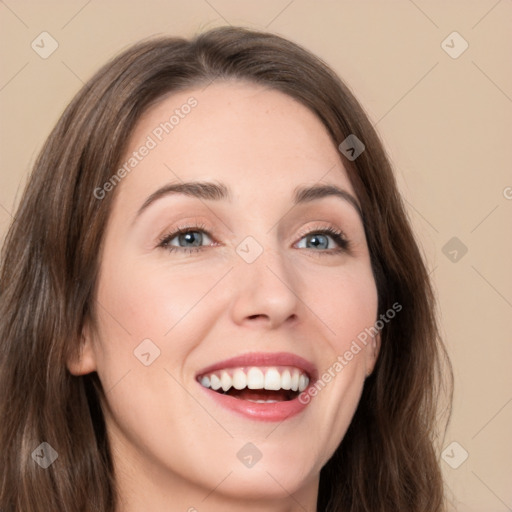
<point x="245" y="135"/>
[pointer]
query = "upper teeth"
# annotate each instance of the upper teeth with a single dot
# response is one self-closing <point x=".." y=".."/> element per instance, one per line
<point x="272" y="378"/>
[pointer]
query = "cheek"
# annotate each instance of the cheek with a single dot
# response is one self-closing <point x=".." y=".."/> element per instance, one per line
<point x="144" y="300"/>
<point x="151" y="308"/>
<point x="346" y="302"/>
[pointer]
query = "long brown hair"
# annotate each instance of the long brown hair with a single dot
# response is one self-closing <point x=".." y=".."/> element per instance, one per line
<point x="387" y="460"/>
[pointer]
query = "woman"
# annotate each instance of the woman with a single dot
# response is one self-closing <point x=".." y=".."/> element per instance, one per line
<point x="211" y="297"/>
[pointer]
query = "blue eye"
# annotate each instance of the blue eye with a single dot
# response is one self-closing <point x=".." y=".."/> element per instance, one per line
<point x="326" y="241"/>
<point x="322" y="240"/>
<point x="185" y="239"/>
<point x="188" y="239"/>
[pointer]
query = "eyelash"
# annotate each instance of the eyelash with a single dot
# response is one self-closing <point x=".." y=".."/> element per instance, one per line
<point x="337" y="236"/>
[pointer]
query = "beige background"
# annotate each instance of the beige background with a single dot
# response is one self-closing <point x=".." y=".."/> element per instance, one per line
<point x="445" y="121"/>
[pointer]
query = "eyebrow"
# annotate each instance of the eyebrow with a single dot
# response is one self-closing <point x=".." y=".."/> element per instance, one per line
<point x="218" y="191"/>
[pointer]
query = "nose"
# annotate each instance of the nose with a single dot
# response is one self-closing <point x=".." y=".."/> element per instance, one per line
<point x="264" y="292"/>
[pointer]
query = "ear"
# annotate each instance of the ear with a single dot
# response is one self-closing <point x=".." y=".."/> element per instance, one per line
<point x="372" y="353"/>
<point x="83" y="361"/>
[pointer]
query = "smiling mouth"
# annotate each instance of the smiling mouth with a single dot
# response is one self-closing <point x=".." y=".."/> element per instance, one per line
<point x="268" y="384"/>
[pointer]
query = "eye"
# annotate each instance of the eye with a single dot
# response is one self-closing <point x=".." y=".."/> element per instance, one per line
<point x="187" y="239"/>
<point x="328" y="240"/>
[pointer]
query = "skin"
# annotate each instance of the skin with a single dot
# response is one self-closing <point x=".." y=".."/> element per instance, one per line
<point x="174" y="448"/>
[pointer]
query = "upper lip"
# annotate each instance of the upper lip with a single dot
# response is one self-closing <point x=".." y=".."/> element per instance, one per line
<point x="264" y="359"/>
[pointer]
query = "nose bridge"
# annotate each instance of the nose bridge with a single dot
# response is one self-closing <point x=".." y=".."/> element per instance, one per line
<point x="265" y="285"/>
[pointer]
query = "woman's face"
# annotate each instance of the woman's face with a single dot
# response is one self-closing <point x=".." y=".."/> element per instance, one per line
<point x="256" y="276"/>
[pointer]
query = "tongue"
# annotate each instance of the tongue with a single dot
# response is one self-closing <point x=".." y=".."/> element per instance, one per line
<point x="260" y="394"/>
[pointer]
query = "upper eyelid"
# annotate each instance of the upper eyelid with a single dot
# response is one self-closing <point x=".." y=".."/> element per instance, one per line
<point x="191" y="228"/>
<point x="166" y="238"/>
<point x="179" y="230"/>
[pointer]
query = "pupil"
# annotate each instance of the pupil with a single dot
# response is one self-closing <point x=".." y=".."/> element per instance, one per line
<point x="319" y="241"/>
<point x="193" y="238"/>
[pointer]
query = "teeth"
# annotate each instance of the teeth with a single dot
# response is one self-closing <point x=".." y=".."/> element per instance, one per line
<point x="271" y="378"/>
<point x="295" y="380"/>
<point x="255" y="379"/>
<point x="225" y="380"/>
<point x="286" y="380"/>
<point x="303" y="383"/>
<point x="214" y="382"/>
<point x="239" y="379"/>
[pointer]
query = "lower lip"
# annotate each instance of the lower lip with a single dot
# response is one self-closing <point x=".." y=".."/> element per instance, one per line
<point x="277" y="411"/>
